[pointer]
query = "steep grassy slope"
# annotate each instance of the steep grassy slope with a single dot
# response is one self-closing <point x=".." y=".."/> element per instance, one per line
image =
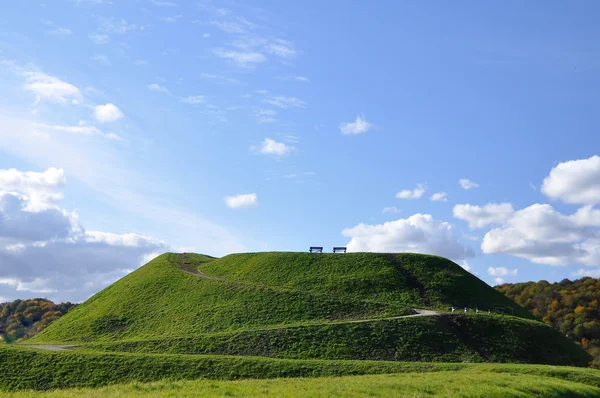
<point x="268" y="289"/>
<point x="416" y="280"/>
<point x="446" y="338"/>
<point x="160" y="300"/>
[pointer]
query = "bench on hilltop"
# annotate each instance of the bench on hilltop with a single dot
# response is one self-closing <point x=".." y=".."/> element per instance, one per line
<point x="316" y="249"/>
<point x="339" y="250"/>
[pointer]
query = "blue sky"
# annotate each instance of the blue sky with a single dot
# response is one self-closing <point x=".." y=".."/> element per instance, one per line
<point x="129" y="128"/>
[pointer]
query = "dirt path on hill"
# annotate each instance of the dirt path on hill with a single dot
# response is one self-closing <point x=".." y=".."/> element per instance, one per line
<point x="49" y="347"/>
<point x="198" y="273"/>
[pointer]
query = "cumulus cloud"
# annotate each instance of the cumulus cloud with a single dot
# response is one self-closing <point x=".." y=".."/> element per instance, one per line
<point x="575" y="181"/>
<point x="50" y="88"/>
<point x="45" y="249"/>
<point x="272" y="147"/>
<point x="467" y="184"/>
<point x="358" y="126"/>
<point x="242" y="200"/>
<point x="412" y="194"/>
<point x="41" y="190"/>
<point x="582" y="272"/>
<point x="439" y="197"/>
<point x="502" y="271"/>
<point x="481" y="216"/>
<point x="420" y="233"/>
<point x="282" y="101"/>
<point x="544" y="236"/>
<point x="107" y="113"/>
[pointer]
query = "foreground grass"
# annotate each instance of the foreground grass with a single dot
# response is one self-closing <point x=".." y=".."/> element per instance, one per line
<point x="471" y="383"/>
<point x="31" y="369"/>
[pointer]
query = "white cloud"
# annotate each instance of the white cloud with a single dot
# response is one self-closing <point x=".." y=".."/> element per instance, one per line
<point x="272" y="147"/>
<point x="280" y="49"/>
<point x="61" y="32"/>
<point x="502" y="271"/>
<point x="193" y="100"/>
<point x="359" y="126"/>
<point x="103" y="59"/>
<point x="544" y="236"/>
<point x="140" y="62"/>
<point x="242" y="200"/>
<point x="439" y="197"/>
<point x="479" y="217"/>
<point x="121" y="27"/>
<point x="266" y="116"/>
<point x="499" y="281"/>
<point x="172" y="19"/>
<point x="42" y="190"/>
<point x="99" y="38"/>
<point x="391" y="210"/>
<point x="158" y="88"/>
<point x="580" y="273"/>
<point x="419" y="233"/>
<point x="467" y="184"/>
<point x="412" y="194"/>
<point x="575" y="181"/>
<point x="81" y="129"/>
<point x="164" y="4"/>
<point x="241" y="59"/>
<point x="296" y="78"/>
<point x="281" y="101"/>
<point x="50" y="88"/>
<point x="44" y="249"/>
<point x="107" y="113"/>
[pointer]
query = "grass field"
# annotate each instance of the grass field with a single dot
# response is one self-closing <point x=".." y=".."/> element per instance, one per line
<point x="470" y="382"/>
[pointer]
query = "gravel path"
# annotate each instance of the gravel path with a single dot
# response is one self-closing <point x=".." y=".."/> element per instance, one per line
<point x="49" y="347"/>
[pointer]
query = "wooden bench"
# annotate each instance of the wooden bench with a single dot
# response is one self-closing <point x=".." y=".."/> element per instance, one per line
<point x="316" y="249"/>
<point x="339" y="250"/>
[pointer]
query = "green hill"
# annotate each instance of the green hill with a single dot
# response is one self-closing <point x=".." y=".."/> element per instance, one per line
<point x="310" y="306"/>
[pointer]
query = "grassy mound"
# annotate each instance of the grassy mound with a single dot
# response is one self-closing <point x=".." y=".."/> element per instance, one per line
<point x="28" y="369"/>
<point x="307" y="306"/>
<point x="447" y="338"/>
<point x="474" y="383"/>
<point x="269" y="289"/>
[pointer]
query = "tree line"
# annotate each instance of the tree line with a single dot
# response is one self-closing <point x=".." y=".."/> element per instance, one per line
<point x="22" y="319"/>
<point x="569" y="306"/>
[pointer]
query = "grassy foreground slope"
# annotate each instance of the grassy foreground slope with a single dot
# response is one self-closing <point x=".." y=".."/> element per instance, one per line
<point x="474" y="383"/>
<point x="29" y="369"/>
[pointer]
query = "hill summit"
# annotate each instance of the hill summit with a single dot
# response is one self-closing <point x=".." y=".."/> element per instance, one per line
<point x="301" y="305"/>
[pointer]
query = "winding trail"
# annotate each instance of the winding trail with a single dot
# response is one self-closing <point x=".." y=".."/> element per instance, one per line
<point x="49" y="347"/>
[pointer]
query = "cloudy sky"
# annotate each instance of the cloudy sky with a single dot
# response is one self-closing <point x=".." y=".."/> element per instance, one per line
<point x="130" y="128"/>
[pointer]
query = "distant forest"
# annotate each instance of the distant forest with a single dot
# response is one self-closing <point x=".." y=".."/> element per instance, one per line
<point x="22" y="319"/>
<point x="570" y="306"/>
